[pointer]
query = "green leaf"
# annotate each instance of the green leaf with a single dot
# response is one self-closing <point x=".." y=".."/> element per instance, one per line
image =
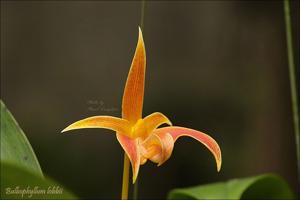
<point x="15" y="147"/>
<point x="266" y="186"/>
<point x="18" y="182"/>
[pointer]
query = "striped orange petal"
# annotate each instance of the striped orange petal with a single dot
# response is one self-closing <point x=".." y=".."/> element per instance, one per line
<point x="132" y="103"/>
<point x="133" y="96"/>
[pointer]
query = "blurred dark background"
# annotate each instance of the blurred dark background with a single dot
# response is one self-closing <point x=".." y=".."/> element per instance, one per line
<point x="218" y="66"/>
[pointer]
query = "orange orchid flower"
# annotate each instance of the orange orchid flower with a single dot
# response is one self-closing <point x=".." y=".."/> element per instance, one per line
<point x="141" y="138"/>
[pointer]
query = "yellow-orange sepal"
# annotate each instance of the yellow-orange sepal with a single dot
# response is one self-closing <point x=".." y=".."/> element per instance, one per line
<point x="107" y="122"/>
<point x="132" y="104"/>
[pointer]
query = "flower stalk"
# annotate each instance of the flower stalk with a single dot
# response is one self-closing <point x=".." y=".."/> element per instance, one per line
<point x="293" y="80"/>
<point x="125" y="182"/>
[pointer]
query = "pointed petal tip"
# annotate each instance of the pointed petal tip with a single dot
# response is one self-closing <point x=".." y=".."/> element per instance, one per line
<point x="135" y="173"/>
<point x="133" y="179"/>
<point x="218" y="158"/>
<point x="141" y="35"/>
<point x="69" y="128"/>
<point x="65" y="129"/>
<point x="219" y="165"/>
<point x="169" y="122"/>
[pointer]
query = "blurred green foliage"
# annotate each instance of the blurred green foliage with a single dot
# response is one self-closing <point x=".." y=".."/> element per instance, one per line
<point x="18" y="182"/>
<point x="267" y="186"/>
<point x="15" y="147"/>
<point x="21" y="174"/>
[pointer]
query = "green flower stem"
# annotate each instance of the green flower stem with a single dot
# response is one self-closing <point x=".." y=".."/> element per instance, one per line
<point x="142" y="14"/>
<point x="292" y="76"/>
<point x="136" y="189"/>
<point x="125" y="186"/>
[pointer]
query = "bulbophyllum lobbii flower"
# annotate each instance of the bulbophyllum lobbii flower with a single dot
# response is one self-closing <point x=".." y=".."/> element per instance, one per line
<point x="141" y="138"/>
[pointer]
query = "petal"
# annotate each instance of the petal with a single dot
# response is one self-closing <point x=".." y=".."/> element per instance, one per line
<point x="131" y="148"/>
<point x="155" y="120"/>
<point x="158" y="148"/>
<point x="151" y="147"/>
<point x="108" y="122"/>
<point x="167" y="147"/>
<point x="143" y="160"/>
<point x="144" y="127"/>
<point x="154" y="154"/>
<point x="205" y="139"/>
<point x="133" y="96"/>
